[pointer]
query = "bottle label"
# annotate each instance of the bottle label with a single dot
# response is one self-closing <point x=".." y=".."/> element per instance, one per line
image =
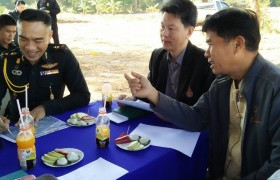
<point x="27" y="154"/>
<point x="108" y="98"/>
<point x="102" y="133"/>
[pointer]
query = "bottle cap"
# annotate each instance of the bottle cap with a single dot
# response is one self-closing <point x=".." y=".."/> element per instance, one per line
<point x="23" y="126"/>
<point x="24" y="110"/>
<point x="102" y="110"/>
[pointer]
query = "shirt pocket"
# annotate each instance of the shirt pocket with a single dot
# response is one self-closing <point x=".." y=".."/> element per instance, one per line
<point x="51" y="83"/>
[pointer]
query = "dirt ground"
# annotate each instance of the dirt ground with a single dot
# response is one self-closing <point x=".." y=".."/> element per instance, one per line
<point x="123" y="43"/>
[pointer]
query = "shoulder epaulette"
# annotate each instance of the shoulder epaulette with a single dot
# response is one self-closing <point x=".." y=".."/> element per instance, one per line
<point x="11" y="53"/>
<point x="58" y="46"/>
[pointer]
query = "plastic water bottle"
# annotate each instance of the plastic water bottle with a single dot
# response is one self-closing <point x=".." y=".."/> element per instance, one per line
<point x="26" y="148"/>
<point x="107" y="94"/>
<point x="27" y="118"/>
<point x="102" y="131"/>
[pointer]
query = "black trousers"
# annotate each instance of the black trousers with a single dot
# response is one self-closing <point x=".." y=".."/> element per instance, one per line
<point x="55" y="36"/>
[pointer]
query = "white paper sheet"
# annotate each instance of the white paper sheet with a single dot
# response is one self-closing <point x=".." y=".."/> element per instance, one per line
<point x="275" y="175"/>
<point x="116" y="117"/>
<point x="99" y="169"/>
<point x="177" y="139"/>
<point x="138" y="104"/>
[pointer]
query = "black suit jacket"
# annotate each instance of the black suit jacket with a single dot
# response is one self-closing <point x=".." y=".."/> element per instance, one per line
<point x="195" y="76"/>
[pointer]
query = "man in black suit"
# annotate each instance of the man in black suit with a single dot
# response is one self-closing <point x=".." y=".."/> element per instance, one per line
<point x="179" y="69"/>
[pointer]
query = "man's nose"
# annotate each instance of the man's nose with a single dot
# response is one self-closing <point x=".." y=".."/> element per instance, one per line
<point x="207" y="54"/>
<point x="165" y="32"/>
<point x="30" y="46"/>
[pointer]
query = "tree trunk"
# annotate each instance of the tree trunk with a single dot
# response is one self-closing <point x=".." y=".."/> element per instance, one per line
<point x="256" y="7"/>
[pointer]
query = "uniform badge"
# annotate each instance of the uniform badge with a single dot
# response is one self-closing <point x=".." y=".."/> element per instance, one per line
<point x="48" y="4"/>
<point x="189" y="92"/>
<point x="49" y="72"/>
<point x="17" y="72"/>
<point x="49" y="65"/>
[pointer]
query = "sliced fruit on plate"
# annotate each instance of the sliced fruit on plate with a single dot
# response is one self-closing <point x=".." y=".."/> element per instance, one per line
<point x="48" y="161"/>
<point x="123" y="138"/>
<point x="50" y="158"/>
<point x="72" y="157"/>
<point x="61" y="151"/>
<point x="62" y="161"/>
<point x="79" y="115"/>
<point x="134" y="137"/>
<point x="55" y="154"/>
<point x="135" y="145"/>
<point x="87" y="118"/>
<point x="144" y="140"/>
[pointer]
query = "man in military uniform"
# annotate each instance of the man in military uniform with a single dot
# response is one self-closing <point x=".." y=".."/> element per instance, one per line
<point x="52" y="8"/>
<point x="8" y="30"/>
<point x="45" y="69"/>
<point x="19" y="7"/>
<point x="7" y="34"/>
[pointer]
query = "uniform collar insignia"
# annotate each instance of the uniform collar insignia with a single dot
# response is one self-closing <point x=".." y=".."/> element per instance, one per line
<point x="18" y="61"/>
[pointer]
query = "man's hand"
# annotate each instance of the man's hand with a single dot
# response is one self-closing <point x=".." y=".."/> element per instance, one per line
<point x="141" y="87"/>
<point x="4" y="124"/>
<point x="38" y="113"/>
<point x="126" y="98"/>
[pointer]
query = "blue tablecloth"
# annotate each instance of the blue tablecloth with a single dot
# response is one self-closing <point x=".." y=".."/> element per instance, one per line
<point x="151" y="163"/>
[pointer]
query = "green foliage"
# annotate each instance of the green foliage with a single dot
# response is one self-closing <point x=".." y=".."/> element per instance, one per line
<point x="274" y="3"/>
<point x="265" y="21"/>
<point x="113" y="6"/>
<point x="97" y="6"/>
<point x="152" y="8"/>
<point x="110" y="6"/>
<point x="3" y="10"/>
<point x="83" y="6"/>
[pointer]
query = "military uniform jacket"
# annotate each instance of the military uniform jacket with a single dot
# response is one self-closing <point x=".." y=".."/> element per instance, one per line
<point x="195" y="76"/>
<point x="57" y="68"/>
<point x="15" y="14"/>
<point x="53" y="7"/>
<point x="11" y="46"/>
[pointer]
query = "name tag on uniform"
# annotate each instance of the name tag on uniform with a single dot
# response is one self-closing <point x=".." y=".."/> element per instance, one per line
<point x="49" y="72"/>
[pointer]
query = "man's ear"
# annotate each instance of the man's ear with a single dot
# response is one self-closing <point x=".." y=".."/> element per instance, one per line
<point x="240" y="42"/>
<point x="50" y="35"/>
<point x="189" y="30"/>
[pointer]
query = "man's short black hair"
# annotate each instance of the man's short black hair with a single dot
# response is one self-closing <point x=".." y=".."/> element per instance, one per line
<point x="6" y="20"/>
<point x="184" y="9"/>
<point x="33" y="15"/>
<point x="19" y="2"/>
<point x="233" y="22"/>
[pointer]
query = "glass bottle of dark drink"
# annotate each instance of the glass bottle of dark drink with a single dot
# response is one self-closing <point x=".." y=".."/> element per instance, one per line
<point x="102" y="131"/>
